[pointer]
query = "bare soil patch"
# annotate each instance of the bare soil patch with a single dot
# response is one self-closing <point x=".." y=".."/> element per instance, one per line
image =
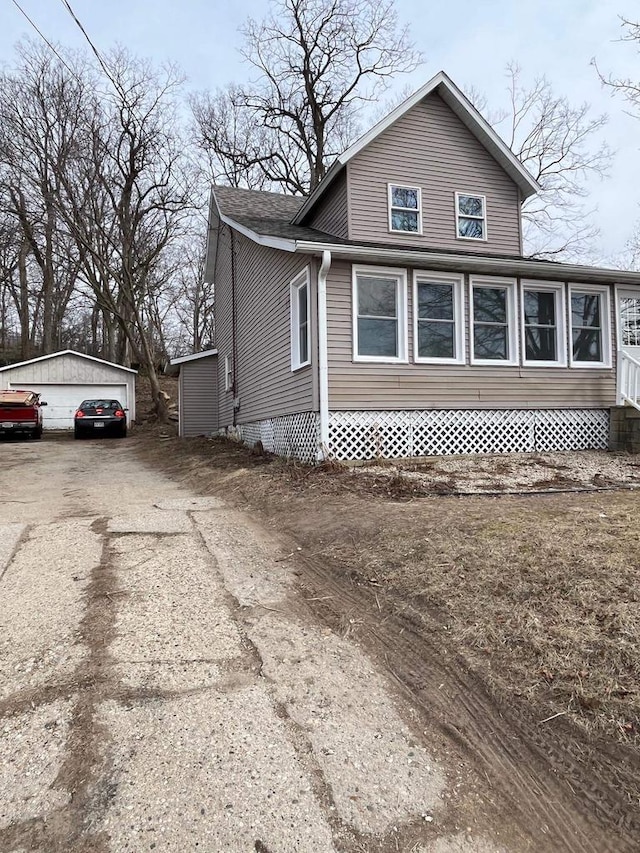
<point x="526" y="606"/>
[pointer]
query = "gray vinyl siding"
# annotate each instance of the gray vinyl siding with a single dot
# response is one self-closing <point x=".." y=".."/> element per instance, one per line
<point x="332" y="212"/>
<point x="430" y="147"/>
<point x="264" y="382"/>
<point x="370" y="386"/>
<point x="199" y="397"/>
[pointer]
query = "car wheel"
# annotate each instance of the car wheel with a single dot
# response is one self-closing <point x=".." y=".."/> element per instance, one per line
<point x="76" y="434"/>
<point x="123" y="432"/>
<point x="37" y="433"/>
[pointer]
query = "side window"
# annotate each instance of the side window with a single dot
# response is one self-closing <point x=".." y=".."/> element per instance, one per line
<point x="228" y="373"/>
<point x="471" y="217"/>
<point x="438" y="318"/>
<point x="300" y="325"/>
<point x="493" y="336"/>
<point x="543" y="324"/>
<point x="379" y="314"/>
<point x="590" y="326"/>
<point x="405" y="209"/>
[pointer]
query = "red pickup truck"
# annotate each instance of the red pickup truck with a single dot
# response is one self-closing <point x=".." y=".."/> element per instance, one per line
<point x="21" y="413"/>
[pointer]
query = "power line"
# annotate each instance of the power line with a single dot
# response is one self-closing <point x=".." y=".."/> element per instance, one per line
<point x="42" y="36"/>
<point x="95" y="50"/>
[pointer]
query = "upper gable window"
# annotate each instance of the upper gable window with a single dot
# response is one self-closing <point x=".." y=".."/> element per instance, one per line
<point x="405" y="209"/>
<point x="471" y="217"/>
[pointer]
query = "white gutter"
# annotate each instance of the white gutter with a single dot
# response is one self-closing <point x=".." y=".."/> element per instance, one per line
<point x="475" y="263"/>
<point x="323" y="358"/>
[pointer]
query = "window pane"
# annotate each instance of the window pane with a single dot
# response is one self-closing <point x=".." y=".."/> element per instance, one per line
<point x="540" y="344"/>
<point x="490" y="342"/>
<point x="435" y="340"/>
<point x="404" y="197"/>
<point x="302" y="304"/>
<point x="435" y="301"/>
<point x="404" y="220"/>
<point x="377" y="337"/>
<point x="303" y="342"/>
<point x="630" y="321"/>
<point x="376" y="296"/>
<point x="539" y="308"/>
<point x="490" y="304"/>
<point x="585" y="309"/>
<point x="471" y="228"/>
<point x="586" y="345"/>
<point x="470" y="205"/>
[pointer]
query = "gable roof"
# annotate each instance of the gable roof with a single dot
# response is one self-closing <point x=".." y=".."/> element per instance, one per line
<point x="196" y="356"/>
<point x="466" y="112"/>
<point x="67" y="352"/>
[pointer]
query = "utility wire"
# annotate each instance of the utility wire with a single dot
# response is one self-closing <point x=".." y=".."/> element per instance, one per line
<point x="95" y="50"/>
<point x="42" y="36"/>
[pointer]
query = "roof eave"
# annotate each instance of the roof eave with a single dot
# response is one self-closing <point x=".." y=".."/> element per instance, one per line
<point x="475" y="263"/>
<point x="183" y="359"/>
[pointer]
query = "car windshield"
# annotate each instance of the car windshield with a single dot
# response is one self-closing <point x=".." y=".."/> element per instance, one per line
<point x="100" y="404"/>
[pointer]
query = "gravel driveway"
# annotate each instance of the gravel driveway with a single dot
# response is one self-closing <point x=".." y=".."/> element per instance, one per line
<point x="163" y="687"/>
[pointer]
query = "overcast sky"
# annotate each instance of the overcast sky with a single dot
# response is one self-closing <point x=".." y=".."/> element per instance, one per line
<point x="472" y="41"/>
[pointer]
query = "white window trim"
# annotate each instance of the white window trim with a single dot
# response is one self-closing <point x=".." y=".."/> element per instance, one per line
<point x="303" y="279"/>
<point x="561" y="313"/>
<point x="408" y="209"/>
<point x="464" y="216"/>
<point x="605" y="329"/>
<point x="228" y="373"/>
<point x="428" y="277"/>
<point x="508" y="284"/>
<point x="401" y="291"/>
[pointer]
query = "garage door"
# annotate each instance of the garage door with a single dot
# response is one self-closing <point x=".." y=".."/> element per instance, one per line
<point x="63" y="400"/>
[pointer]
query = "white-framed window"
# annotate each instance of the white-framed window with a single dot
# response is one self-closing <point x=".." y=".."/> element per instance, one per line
<point x="471" y="216"/>
<point x="300" y="321"/>
<point x="379" y="314"/>
<point x="228" y="373"/>
<point x="543" y="324"/>
<point x="493" y="335"/>
<point x="438" y="318"/>
<point x="405" y="209"/>
<point x="590" y="325"/>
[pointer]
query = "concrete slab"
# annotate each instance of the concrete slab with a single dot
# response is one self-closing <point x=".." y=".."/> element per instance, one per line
<point x="172" y="610"/>
<point x="251" y="573"/>
<point x="379" y="776"/>
<point x="42" y="604"/>
<point x="212" y="772"/>
<point x="150" y="521"/>
<point x="32" y="750"/>
<point x="192" y="503"/>
<point x="9" y="537"/>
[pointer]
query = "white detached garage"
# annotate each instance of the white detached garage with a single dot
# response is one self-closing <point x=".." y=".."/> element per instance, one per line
<point x="64" y="379"/>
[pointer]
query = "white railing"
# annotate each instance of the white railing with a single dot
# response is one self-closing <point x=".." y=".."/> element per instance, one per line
<point x="628" y="380"/>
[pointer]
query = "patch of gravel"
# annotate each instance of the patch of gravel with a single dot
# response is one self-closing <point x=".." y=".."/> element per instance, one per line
<point x="560" y="470"/>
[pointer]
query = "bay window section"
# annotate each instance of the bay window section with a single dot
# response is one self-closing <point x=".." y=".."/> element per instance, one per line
<point x="493" y="324"/>
<point x="590" y="327"/>
<point x="379" y="314"/>
<point x="438" y="323"/>
<point x="543" y="324"/>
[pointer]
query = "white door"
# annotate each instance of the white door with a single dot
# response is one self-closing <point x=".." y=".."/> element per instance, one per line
<point x="63" y="400"/>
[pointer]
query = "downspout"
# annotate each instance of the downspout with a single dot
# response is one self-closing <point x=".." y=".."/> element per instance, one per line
<point x="323" y="358"/>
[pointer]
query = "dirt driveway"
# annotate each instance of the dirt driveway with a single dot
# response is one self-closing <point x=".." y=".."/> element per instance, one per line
<point x="167" y="682"/>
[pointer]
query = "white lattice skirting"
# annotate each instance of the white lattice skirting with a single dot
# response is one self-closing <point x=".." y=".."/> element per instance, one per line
<point x="297" y="436"/>
<point x="391" y="434"/>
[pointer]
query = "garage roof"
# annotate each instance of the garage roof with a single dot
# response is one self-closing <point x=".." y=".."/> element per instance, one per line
<point x="67" y="352"/>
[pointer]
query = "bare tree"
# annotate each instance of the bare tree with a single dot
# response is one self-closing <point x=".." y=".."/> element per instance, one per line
<point x="128" y="198"/>
<point x="560" y="144"/>
<point x="318" y="62"/>
<point x="629" y="89"/>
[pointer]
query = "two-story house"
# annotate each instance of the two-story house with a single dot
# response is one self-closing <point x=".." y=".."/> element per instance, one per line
<point x="392" y="311"/>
